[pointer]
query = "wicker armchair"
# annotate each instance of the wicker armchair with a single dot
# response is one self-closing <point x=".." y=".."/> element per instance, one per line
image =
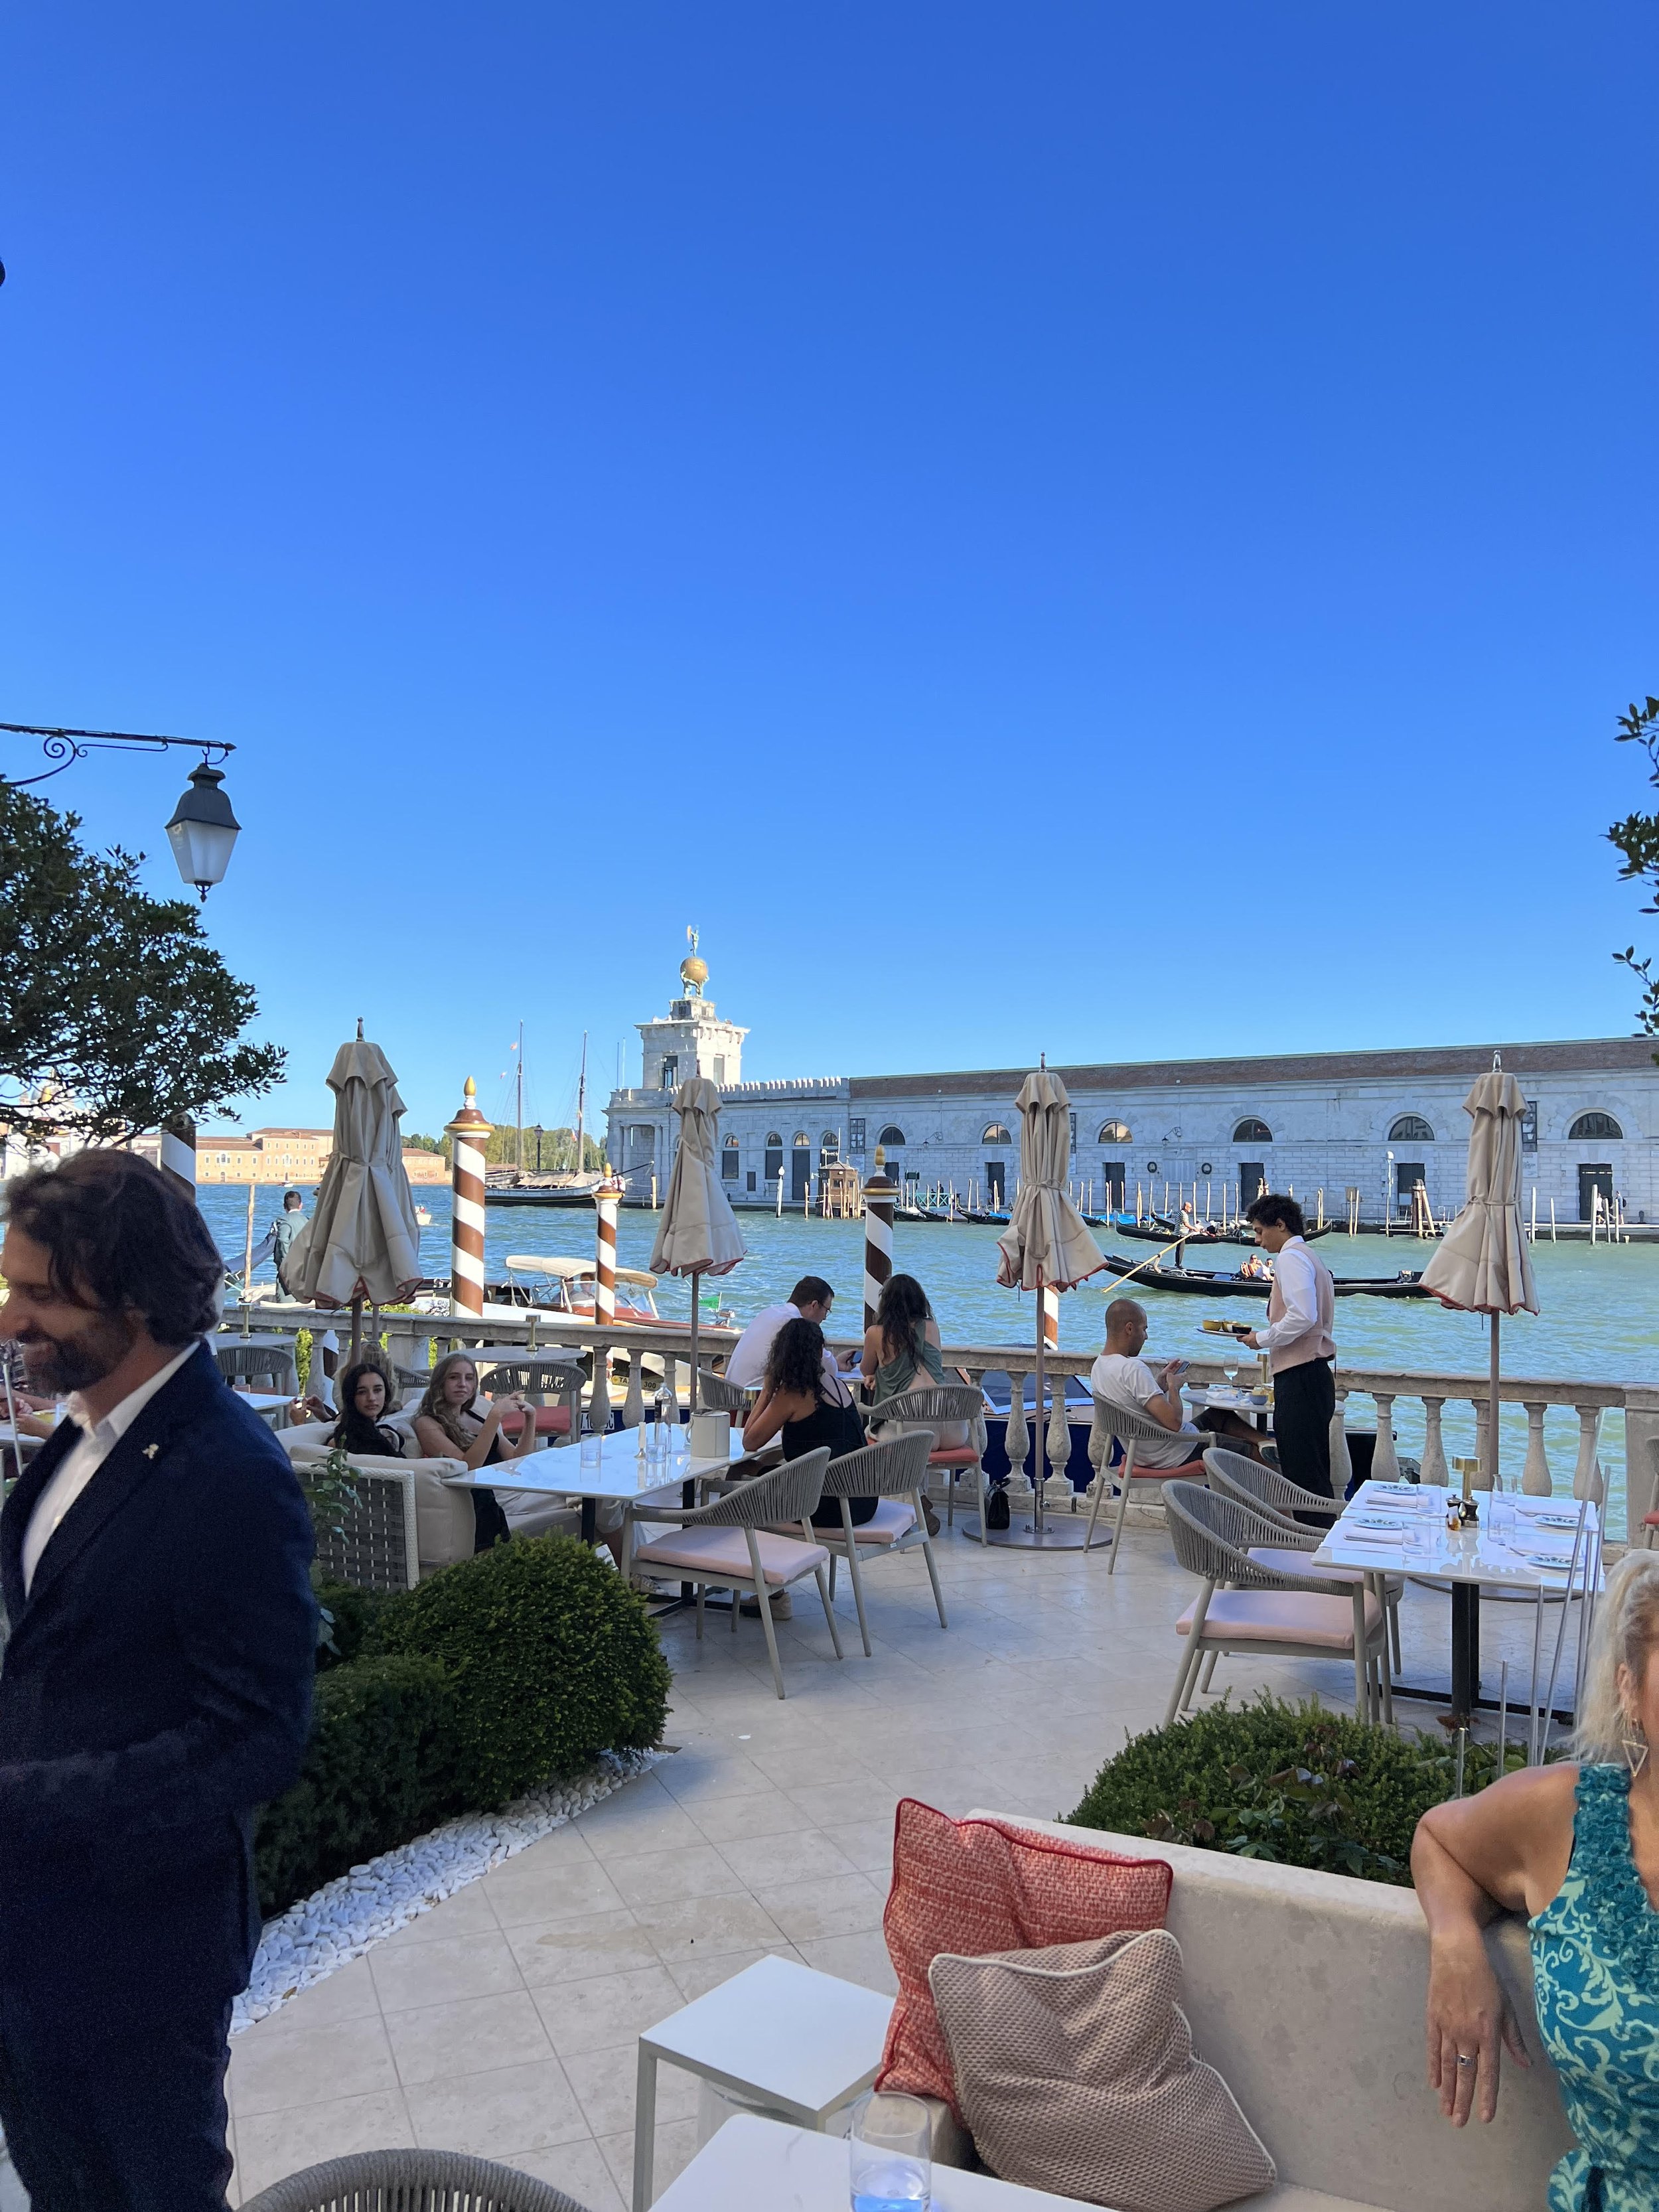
<point x="538" y="1378"/>
<point x="716" y="1395"/>
<point x="893" y="1473"/>
<point x="372" y="1540"/>
<point x="732" y="1544"/>
<point x="1247" y="1607"/>
<point x="1277" y="1498"/>
<point x="410" y="2181"/>
<point x="931" y="1408"/>
<point x="1131" y="1431"/>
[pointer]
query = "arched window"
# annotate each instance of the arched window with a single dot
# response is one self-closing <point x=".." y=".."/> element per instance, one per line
<point x="1250" y="1131"/>
<point x="801" y="1142"/>
<point x="1594" y="1126"/>
<point x="830" y="1147"/>
<point x="1411" y="1129"/>
<point x="892" y="1134"/>
<point x="729" y="1161"/>
<point x="1115" y="1132"/>
<point x="774" y="1141"/>
<point x="774" y="1161"/>
<point x="996" y="1134"/>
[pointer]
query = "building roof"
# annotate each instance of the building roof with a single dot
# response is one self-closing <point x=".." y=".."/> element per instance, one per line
<point x="1591" y="1055"/>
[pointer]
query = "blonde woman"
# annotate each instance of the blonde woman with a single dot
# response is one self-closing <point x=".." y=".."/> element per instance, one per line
<point x="451" y="1424"/>
<point x="1576" y="1847"/>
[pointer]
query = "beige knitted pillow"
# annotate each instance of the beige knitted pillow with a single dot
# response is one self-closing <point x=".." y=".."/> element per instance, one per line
<point x="1074" y="2071"/>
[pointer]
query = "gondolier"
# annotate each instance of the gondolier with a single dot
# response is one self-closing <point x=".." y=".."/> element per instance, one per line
<point x="1298" y="1340"/>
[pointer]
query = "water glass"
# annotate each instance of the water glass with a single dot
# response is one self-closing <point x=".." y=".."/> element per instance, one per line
<point x="889" y="2154"/>
<point x="656" y="1449"/>
<point x="592" y="1448"/>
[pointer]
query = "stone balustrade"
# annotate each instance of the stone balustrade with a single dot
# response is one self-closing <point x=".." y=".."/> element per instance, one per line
<point x="1596" y="1422"/>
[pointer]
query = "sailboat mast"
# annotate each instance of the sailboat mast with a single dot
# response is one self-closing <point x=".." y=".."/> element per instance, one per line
<point x="582" y="1102"/>
<point x="521" y="1152"/>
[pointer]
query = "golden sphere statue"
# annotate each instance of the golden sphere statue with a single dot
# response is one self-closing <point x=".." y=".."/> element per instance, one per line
<point x="694" y="973"/>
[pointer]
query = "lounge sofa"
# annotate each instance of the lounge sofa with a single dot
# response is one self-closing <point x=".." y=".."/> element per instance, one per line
<point x="1306" y="1991"/>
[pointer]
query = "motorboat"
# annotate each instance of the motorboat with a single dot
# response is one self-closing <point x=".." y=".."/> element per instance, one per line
<point x="557" y="1287"/>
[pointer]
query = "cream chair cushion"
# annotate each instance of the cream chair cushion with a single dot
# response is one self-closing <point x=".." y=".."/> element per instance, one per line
<point x="444" y="1525"/>
<point x="1281" y="1617"/>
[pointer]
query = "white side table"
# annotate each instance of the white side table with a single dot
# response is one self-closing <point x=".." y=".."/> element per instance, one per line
<point x="800" y="2042"/>
<point x="760" y="2167"/>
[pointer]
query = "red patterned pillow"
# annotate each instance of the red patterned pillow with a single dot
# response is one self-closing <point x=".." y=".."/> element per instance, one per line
<point x="975" y="1887"/>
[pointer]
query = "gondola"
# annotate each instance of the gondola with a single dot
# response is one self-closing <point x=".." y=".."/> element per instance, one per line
<point x="1158" y="1234"/>
<point x="1197" y="1282"/>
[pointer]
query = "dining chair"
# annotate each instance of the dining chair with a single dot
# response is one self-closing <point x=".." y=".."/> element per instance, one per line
<point x="893" y="1472"/>
<point x="716" y="1395"/>
<point x="930" y="1408"/>
<point x="410" y="2181"/>
<point x="1112" y="1423"/>
<point x="274" y="1364"/>
<point x="537" y="1380"/>
<point x="733" y="1543"/>
<point x="1245" y="1607"/>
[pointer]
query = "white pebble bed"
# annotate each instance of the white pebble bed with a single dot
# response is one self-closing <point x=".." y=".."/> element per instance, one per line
<point x="348" y="1916"/>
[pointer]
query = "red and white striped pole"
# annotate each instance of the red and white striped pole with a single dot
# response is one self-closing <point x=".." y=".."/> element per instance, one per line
<point x="607" y="1200"/>
<point x="878" y="1196"/>
<point x="178" y="1153"/>
<point x="468" y="1134"/>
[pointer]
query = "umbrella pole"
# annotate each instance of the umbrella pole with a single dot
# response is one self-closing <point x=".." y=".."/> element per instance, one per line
<point x="1491" y="1469"/>
<point x="1039" y="1474"/>
<point x="697" y="1300"/>
<point x="356" y="1330"/>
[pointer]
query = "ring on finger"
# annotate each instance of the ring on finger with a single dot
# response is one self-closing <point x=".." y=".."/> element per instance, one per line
<point x="1464" y="2059"/>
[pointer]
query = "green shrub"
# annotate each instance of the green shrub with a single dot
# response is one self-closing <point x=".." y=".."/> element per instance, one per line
<point x="350" y="1617"/>
<point x="379" y="1769"/>
<point x="1276" y="1781"/>
<point x="552" y="1657"/>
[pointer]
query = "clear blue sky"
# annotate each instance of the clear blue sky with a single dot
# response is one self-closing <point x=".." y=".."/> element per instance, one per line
<point x="994" y="513"/>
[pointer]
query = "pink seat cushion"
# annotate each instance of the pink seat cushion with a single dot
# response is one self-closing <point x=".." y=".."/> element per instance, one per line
<point x="1284" y="1561"/>
<point x="1281" y="1617"/>
<point x="891" y="1519"/>
<point x="550" y="1421"/>
<point x="1193" y="1471"/>
<point x="957" y="1455"/>
<point x="725" y="1552"/>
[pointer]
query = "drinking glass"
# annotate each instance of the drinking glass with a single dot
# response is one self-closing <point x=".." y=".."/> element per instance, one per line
<point x="591" y="1448"/>
<point x="889" y="2154"/>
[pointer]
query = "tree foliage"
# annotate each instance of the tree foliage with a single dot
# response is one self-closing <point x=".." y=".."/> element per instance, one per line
<point x="1638" y="838"/>
<point x="116" y="1012"/>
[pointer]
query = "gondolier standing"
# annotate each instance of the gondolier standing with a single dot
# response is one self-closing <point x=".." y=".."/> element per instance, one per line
<point x="1298" y="1340"/>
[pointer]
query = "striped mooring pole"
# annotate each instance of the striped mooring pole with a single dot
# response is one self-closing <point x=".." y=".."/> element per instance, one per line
<point x="878" y="1196"/>
<point x="178" y="1153"/>
<point x="468" y="1134"/>
<point x="607" y="1199"/>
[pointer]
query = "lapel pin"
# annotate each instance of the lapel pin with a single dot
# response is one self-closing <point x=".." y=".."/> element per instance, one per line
<point x="150" y="1451"/>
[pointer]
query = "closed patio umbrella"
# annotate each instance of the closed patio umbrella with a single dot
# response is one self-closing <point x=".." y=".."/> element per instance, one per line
<point x="1046" y="1245"/>
<point x="699" y="1234"/>
<point x="1483" y="1265"/>
<point x="362" y="1240"/>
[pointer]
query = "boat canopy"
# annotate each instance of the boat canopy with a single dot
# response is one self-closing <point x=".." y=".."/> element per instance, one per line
<point x="570" y="1271"/>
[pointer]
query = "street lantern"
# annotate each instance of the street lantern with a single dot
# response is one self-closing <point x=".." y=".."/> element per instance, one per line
<point x="203" y="830"/>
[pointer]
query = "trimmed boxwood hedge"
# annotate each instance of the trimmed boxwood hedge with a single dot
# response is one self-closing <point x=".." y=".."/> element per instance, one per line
<point x="1293" y="1782"/>
<point x="491" y="1677"/>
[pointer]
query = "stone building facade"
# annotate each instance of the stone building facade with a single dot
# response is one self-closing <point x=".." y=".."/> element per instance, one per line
<point x="1376" y="1122"/>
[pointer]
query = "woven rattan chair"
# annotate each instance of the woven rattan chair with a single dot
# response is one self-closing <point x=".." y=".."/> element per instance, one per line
<point x="1277" y="1498"/>
<point x="930" y="1408"/>
<point x="273" y="1364"/>
<point x="538" y="1381"/>
<point x="372" y="1542"/>
<point x="732" y="1544"/>
<point x="716" y="1395"/>
<point x="1131" y="1431"/>
<point x="1245" y="1607"/>
<point x="893" y="1472"/>
<point x="410" y="2181"/>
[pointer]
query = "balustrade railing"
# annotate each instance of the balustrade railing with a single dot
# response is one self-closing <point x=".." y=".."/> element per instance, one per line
<point x="1615" y="1448"/>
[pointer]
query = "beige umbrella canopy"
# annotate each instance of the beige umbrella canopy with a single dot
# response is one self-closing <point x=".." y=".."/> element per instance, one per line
<point x="1047" y="1244"/>
<point x="1483" y="1265"/>
<point x="699" y="1235"/>
<point x="362" y="1240"/>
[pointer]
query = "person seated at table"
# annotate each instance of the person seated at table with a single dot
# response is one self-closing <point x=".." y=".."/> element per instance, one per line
<point x="1573" y="1847"/>
<point x="810" y="1300"/>
<point x="362" y="1428"/>
<point x="451" y="1423"/>
<point x="1122" y="1377"/>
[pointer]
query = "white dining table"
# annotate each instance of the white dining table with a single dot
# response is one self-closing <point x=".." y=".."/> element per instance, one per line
<point x="1519" y="1543"/>
<point x="623" y="1472"/>
<point x="761" y="2166"/>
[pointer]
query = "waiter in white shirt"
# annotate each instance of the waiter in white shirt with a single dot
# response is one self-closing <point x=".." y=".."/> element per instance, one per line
<point x="810" y="1300"/>
<point x="1298" y="1342"/>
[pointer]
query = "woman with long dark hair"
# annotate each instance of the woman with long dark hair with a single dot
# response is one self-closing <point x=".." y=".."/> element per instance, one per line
<point x="902" y="1352"/>
<point x="362" y="1427"/>
<point x="802" y="1403"/>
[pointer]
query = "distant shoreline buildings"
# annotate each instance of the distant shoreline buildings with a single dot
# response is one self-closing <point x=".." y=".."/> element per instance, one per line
<point x="1377" y="1122"/>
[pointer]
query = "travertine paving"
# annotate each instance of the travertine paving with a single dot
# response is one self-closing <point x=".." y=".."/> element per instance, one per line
<point x="503" y="2021"/>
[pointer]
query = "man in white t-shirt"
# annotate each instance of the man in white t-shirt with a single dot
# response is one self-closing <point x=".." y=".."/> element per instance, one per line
<point x="1122" y="1377"/>
<point x="810" y="1300"/>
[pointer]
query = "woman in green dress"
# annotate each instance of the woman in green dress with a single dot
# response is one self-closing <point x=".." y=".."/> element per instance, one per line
<point x="1576" y="1847"/>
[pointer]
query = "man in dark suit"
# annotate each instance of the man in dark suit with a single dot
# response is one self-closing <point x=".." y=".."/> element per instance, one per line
<point x="155" y="1688"/>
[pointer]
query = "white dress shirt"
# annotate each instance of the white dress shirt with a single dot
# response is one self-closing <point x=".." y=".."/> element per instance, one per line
<point x="83" y="1459"/>
<point x="747" y="1365"/>
<point x="1295" y="1272"/>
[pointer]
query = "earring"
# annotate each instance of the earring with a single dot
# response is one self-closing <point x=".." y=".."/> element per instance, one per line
<point x="1635" y="1746"/>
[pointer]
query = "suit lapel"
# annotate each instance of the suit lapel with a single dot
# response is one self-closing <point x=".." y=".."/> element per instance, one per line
<point x="14" y="1520"/>
<point x="135" y="1460"/>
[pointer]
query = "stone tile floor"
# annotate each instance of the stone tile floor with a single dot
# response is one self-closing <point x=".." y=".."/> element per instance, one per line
<point x="503" y="2021"/>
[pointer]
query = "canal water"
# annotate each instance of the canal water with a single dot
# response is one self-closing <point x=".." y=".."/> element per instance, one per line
<point x="1599" y="1304"/>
